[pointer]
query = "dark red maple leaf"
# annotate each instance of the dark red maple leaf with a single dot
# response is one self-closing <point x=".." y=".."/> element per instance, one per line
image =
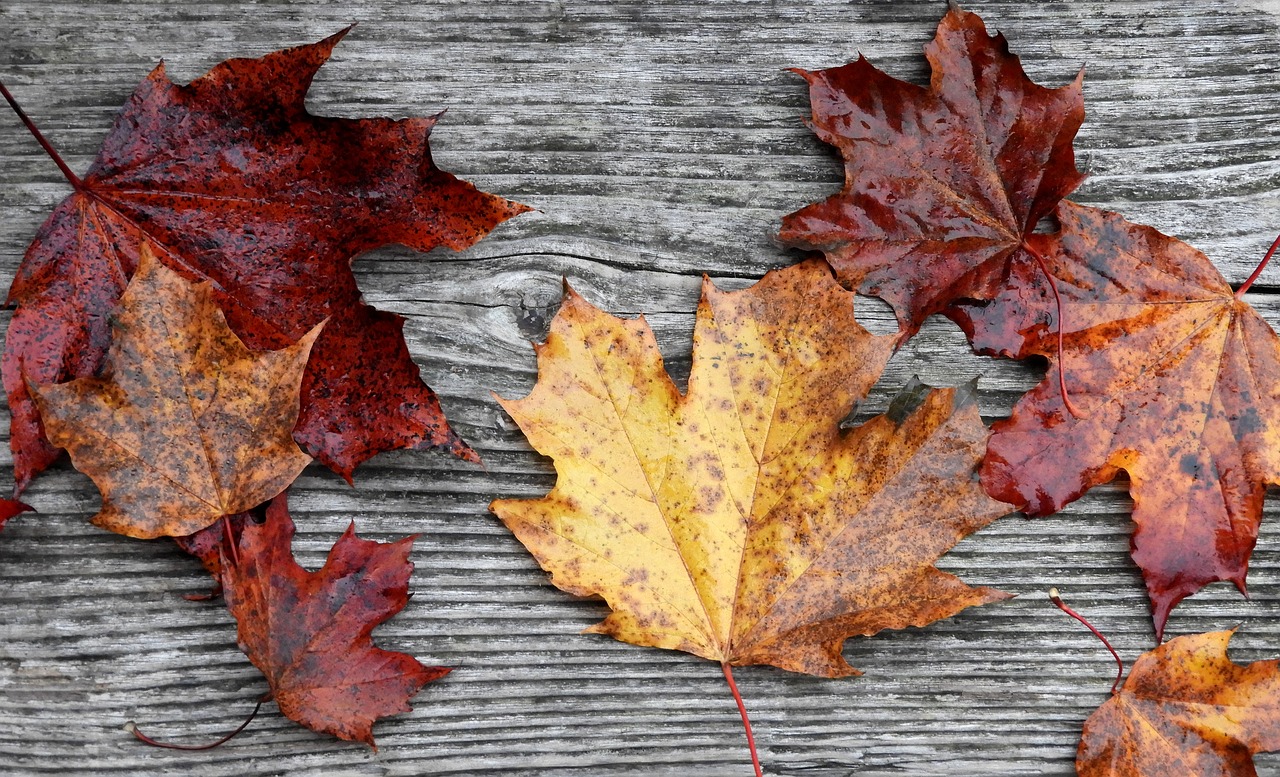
<point x="10" y="508"/>
<point x="230" y="180"/>
<point x="941" y="184"/>
<point x="1177" y="382"/>
<point x="309" y="632"/>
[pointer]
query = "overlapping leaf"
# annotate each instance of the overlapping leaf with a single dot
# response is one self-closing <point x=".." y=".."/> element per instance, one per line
<point x="738" y="522"/>
<point x="1176" y="380"/>
<point x="229" y="179"/>
<point x="941" y="184"/>
<point x="309" y="632"/>
<point x="185" y="424"/>
<point x="1186" y="710"/>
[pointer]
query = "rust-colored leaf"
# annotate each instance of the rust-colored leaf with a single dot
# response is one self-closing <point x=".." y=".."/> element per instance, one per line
<point x="230" y="180"/>
<point x="738" y="522"/>
<point x="1186" y="710"/>
<point x="1177" y="382"/>
<point x="941" y="184"/>
<point x="309" y="632"/>
<point x="185" y="423"/>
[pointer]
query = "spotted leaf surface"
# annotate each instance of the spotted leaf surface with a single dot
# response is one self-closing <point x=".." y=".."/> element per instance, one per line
<point x="230" y="180"/>
<point x="1177" y="383"/>
<point x="941" y="183"/>
<point x="738" y="522"/>
<point x="1185" y="709"/>
<point x="185" y="424"/>
<point x="309" y="632"/>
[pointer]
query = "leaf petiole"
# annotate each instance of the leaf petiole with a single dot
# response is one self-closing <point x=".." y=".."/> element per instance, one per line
<point x="1258" y="271"/>
<point x="742" y="710"/>
<point x="74" y="179"/>
<point x="1057" y="299"/>
<point x="1057" y="601"/>
<point x="132" y="728"/>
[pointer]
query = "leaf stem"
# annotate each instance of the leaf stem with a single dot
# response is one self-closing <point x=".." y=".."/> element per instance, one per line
<point x="742" y="710"/>
<point x="74" y="179"/>
<point x="132" y="728"/>
<point x="1057" y="299"/>
<point x="229" y="537"/>
<point x="1261" y="266"/>
<point x="1057" y="601"/>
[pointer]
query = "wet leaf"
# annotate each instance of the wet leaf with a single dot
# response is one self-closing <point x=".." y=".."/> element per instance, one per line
<point x="1177" y="383"/>
<point x="738" y="522"/>
<point x="1187" y="710"/>
<point x="309" y="632"/>
<point x="230" y="180"/>
<point x="941" y="183"/>
<point x="185" y="424"/>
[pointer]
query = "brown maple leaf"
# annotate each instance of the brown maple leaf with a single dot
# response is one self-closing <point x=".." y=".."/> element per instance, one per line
<point x="309" y="632"/>
<point x="1177" y="383"/>
<point x="941" y="184"/>
<point x="1186" y="710"/>
<point x="738" y="522"/>
<point x="185" y="424"/>
<point x="230" y="180"/>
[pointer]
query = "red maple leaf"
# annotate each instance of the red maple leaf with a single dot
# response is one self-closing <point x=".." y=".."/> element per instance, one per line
<point x="1177" y="381"/>
<point x="9" y="509"/>
<point x="309" y="632"/>
<point x="941" y="184"/>
<point x="230" y="180"/>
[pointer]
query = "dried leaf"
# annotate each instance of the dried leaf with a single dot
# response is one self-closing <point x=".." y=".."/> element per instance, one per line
<point x="738" y="522"/>
<point x="941" y="184"/>
<point x="1186" y="710"/>
<point x="309" y="632"/>
<point x="185" y="424"/>
<point x="229" y="179"/>
<point x="1177" y="383"/>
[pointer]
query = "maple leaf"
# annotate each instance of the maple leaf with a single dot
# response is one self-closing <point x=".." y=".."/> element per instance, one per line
<point x="1187" y="710"/>
<point x="309" y="632"/>
<point x="941" y="184"/>
<point x="229" y="179"/>
<point x="185" y="424"/>
<point x="10" y="509"/>
<point x="738" y="522"/>
<point x="1177" y="383"/>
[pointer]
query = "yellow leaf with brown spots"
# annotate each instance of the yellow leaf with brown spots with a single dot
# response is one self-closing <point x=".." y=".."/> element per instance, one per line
<point x="1186" y="710"/>
<point x="184" y="424"/>
<point x="739" y="522"/>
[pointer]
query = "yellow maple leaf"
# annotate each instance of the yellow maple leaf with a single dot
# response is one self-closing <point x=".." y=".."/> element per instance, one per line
<point x="738" y="522"/>
<point x="184" y="424"/>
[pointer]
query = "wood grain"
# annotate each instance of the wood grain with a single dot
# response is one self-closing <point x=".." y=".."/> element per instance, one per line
<point x="659" y="141"/>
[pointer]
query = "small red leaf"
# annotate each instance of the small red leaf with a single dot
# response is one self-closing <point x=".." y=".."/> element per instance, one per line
<point x="309" y="632"/>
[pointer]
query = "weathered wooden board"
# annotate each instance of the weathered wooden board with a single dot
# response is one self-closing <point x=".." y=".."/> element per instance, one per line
<point x="659" y="141"/>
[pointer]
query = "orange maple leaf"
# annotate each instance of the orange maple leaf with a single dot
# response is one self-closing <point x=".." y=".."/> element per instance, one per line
<point x="185" y="424"/>
<point x="738" y="522"/>
<point x="1176" y="380"/>
<point x="1186" y="710"/>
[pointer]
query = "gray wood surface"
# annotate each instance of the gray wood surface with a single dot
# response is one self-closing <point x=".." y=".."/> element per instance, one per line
<point x="659" y="141"/>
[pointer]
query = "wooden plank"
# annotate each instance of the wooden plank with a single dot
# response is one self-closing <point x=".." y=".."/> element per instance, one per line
<point x="659" y="141"/>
